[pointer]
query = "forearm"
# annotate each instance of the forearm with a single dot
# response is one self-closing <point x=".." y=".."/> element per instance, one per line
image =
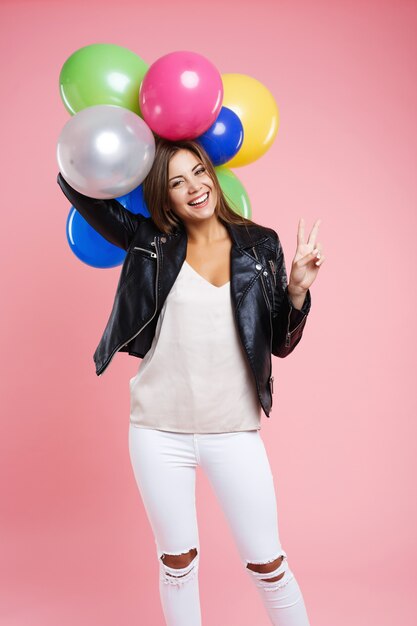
<point x="107" y="217"/>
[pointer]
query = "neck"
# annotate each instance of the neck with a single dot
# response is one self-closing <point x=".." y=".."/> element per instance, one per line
<point x="206" y="231"/>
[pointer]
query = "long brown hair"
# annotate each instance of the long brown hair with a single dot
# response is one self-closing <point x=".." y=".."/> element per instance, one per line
<point x="155" y="186"/>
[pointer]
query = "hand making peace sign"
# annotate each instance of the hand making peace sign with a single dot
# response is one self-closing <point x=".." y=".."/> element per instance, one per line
<point x="307" y="260"/>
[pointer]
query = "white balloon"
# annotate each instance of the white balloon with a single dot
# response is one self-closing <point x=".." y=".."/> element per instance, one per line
<point x="105" y="151"/>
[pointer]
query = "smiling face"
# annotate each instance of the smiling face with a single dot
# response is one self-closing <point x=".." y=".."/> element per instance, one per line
<point x="189" y="182"/>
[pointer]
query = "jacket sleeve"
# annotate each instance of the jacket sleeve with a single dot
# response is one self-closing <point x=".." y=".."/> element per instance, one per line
<point x="107" y="217"/>
<point x="287" y="321"/>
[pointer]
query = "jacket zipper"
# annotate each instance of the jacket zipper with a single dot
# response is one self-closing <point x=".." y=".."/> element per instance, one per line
<point x="272" y="264"/>
<point x="153" y="254"/>
<point x="271" y="378"/>
<point x="288" y="334"/>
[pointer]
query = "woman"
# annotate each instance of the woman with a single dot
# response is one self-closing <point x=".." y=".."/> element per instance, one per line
<point x="203" y="299"/>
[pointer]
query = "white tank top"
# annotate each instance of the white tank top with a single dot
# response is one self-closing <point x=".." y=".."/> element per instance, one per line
<point x="195" y="378"/>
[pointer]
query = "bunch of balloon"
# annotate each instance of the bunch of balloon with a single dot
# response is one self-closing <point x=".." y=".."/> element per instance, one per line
<point x="105" y="150"/>
<point x="119" y="104"/>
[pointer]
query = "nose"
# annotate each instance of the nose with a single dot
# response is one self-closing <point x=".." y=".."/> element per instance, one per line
<point x="194" y="186"/>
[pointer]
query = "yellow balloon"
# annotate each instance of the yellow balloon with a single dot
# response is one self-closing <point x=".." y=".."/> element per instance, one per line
<point x="256" y="108"/>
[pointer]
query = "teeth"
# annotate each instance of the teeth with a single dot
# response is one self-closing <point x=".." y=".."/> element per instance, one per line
<point x="199" y="201"/>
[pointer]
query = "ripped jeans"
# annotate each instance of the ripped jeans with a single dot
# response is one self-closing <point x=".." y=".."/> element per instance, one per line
<point x="236" y="464"/>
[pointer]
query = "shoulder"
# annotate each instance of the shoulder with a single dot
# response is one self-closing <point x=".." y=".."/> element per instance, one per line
<point x="269" y="240"/>
<point x="260" y="229"/>
<point x="270" y="232"/>
<point x="269" y="235"/>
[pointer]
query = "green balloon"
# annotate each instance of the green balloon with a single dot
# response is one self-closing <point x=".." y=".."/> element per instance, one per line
<point x="234" y="191"/>
<point x="102" y="74"/>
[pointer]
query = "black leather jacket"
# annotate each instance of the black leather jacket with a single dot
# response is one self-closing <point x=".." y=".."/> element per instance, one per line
<point x="266" y="320"/>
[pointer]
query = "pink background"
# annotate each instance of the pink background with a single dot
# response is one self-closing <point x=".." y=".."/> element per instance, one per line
<point x="76" y="547"/>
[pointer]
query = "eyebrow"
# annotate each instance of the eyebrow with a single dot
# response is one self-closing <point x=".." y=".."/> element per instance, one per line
<point x="180" y="175"/>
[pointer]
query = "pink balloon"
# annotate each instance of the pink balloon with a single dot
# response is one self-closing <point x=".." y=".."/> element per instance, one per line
<point x="181" y="95"/>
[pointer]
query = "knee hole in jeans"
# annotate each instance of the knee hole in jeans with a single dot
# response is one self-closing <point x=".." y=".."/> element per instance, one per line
<point x="277" y="568"/>
<point x="186" y="563"/>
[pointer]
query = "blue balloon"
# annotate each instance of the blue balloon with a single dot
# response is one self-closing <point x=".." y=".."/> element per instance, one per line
<point x="224" y="138"/>
<point x="134" y="201"/>
<point x="91" y="247"/>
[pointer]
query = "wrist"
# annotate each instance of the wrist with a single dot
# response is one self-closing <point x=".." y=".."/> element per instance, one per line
<point x="296" y="291"/>
<point x="297" y="297"/>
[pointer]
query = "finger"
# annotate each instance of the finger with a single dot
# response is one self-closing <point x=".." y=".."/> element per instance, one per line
<point x="320" y="261"/>
<point x="300" y="233"/>
<point x="314" y="232"/>
<point x="309" y="257"/>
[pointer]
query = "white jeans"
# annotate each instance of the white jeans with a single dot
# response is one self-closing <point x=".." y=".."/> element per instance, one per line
<point x="236" y="464"/>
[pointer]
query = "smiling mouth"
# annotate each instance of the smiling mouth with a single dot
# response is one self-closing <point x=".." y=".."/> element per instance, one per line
<point x="201" y="201"/>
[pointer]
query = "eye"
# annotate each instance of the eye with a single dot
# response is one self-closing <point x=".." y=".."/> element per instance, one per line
<point x="199" y="171"/>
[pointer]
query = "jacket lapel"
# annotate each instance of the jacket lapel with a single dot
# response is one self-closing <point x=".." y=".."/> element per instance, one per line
<point x="243" y="261"/>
